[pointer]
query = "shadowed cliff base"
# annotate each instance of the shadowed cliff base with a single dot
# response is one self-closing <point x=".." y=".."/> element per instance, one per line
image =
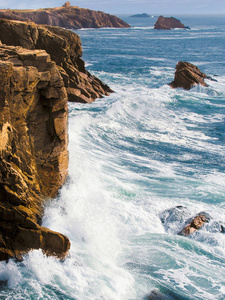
<point x="64" y="47"/>
<point x="70" y="17"/>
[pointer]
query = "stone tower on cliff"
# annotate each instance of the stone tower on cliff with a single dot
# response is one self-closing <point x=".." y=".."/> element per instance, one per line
<point x="67" y="4"/>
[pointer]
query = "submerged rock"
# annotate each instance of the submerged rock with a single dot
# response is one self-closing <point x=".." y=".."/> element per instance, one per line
<point x="33" y="149"/>
<point x="176" y="217"/>
<point x="168" y="23"/>
<point x="64" y="47"/>
<point x="187" y="76"/>
<point x="157" y="295"/>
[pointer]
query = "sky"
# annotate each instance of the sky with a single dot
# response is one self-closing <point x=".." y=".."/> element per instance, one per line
<point x="156" y="7"/>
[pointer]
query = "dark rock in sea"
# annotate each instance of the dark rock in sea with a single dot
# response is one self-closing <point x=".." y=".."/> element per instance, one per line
<point x="64" y="47"/>
<point x="33" y="148"/>
<point x="196" y="223"/>
<point x="157" y="295"/>
<point x="71" y="17"/>
<point x="168" y="23"/>
<point x="187" y="76"/>
<point x="144" y="15"/>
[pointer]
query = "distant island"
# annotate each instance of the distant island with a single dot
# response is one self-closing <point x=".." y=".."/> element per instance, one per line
<point x="66" y="16"/>
<point x="144" y="15"/>
<point x="169" y="23"/>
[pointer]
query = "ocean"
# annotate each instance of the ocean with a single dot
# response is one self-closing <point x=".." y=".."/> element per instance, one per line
<point x="143" y="161"/>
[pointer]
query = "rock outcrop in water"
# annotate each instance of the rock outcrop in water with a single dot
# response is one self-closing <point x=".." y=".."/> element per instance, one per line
<point x="64" y="47"/>
<point x="196" y="223"/>
<point x="168" y="23"/>
<point x="33" y="149"/>
<point x="187" y="76"/>
<point x="71" y="17"/>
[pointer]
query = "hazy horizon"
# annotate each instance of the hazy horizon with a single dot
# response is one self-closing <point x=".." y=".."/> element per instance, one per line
<point x="153" y="7"/>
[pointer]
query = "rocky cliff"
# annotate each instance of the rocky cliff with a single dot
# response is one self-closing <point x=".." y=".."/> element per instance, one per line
<point x="71" y="17"/>
<point x="64" y="47"/>
<point x="168" y="23"/>
<point x="33" y="149"/>
<point x="40" y="69"/>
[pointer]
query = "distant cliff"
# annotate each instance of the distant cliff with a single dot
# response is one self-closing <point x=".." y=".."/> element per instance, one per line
<point x="64" y="47"/>
<point x="168" y="23"/>
<point x="33" y="149"/>
<point x="71" y="17"/>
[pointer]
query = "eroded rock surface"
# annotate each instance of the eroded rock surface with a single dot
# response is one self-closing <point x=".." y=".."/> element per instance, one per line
<point x="187" y="76"/>
<point x="64" y="47"/>
<point x="196" y="223"/>
<point x="168" y="23"/>
<point x="71" y="17"/>
<point x="33" y="149"/>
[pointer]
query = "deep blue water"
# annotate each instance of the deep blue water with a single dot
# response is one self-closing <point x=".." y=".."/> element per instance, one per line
<point x="141" y="151"/>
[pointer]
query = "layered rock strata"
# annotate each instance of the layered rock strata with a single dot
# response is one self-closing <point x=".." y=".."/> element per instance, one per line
<point x="64" y="47"/>
<point x="187" y="76"/>
<point x="33" y="149"/>
<point x="168" y="23"/>
<point x="70" y="17"/>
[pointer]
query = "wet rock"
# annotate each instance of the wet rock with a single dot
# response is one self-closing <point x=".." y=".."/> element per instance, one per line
<point x="168" y="23"/>
<point x="196" y="223"/>
<point x="174" y="217"/>
<point x="33" y="149"/>
<point x="187" y="76"/>
<point x="64" y="48"/>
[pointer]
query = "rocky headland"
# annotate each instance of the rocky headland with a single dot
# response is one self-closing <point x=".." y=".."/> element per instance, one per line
<point x="64" y="48"/>
<point x="71" y="17"/>
<point x="188" y="75"/>
<point x="168" y="23"/>
<point x="40" y="70"/>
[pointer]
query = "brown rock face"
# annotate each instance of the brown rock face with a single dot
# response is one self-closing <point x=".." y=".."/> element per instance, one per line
<point x="64" y="47"/>
<point x="187" y="75"/>
<point x="71" y="17"/>
<point x="33" y="149"/>
<point x="196" y="223"/>
<point x="168" y="23"/>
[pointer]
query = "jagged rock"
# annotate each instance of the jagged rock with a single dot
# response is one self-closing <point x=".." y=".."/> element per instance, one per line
<point x="33" y="149"/>
<point x="196" y="223"/>
<point x="71" y="17"/>
<point x="168" y="23"/>
<point x="64" y="47"/>
<point x="188" y="75"/>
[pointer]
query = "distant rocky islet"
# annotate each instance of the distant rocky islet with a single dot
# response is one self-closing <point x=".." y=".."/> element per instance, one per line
<point x="165" y="23"/>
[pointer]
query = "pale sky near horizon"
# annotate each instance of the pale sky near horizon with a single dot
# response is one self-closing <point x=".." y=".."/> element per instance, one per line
<point x="129" y="6"/>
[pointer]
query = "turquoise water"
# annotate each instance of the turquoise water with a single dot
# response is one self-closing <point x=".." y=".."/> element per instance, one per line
<point x="143" y="150"/>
